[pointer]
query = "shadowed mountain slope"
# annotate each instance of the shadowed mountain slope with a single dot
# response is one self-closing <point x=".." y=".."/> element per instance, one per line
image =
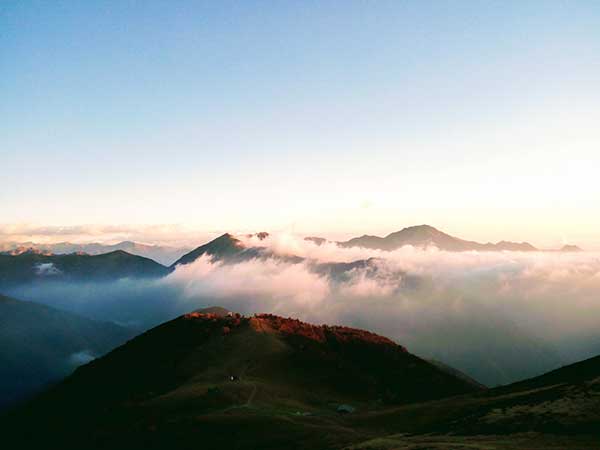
<point x="39" y="345"/>
<point x="34" y="267"/>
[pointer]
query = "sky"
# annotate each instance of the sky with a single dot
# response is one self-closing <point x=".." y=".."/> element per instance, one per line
<point x="328" y="118"/>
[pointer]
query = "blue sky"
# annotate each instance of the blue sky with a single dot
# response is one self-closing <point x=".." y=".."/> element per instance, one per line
<point x="333" y="117"/>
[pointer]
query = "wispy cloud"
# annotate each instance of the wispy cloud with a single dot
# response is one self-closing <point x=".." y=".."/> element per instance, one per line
<point x="165" y="234"/>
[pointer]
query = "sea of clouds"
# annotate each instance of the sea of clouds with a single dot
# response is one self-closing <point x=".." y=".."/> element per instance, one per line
<point x="499" y="316"/>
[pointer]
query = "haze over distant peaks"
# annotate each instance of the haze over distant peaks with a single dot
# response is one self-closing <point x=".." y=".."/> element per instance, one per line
<point x="32" y="267"/>
<point x="571" y="248"/>
<point x="228" y="247"/>
<point x="160" y="253"/>
<point x="427" y="236"/>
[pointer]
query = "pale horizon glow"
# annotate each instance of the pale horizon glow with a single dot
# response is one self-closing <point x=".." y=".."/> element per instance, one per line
<point x="480" y="119"/>
<point x="179" y="236"/>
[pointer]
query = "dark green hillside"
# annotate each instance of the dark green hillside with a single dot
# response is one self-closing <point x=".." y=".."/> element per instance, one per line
<point x="39" y="345"/>
<point x="197" y="376"/>
<point x="215" y="381"/>
<point x="35" y="267"/>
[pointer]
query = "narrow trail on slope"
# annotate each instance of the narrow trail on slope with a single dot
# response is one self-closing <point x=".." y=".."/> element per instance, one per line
<point x="248" y="403"/>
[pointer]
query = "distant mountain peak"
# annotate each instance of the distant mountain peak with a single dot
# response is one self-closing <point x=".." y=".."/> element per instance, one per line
<point x="223" y="246"/>
<point x="424" y="227"/>
<point x="426" y="236"/>
<point x="571" y="248"/>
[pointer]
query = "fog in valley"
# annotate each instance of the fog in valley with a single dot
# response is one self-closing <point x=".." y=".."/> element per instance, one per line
<point x="498" y="316"/>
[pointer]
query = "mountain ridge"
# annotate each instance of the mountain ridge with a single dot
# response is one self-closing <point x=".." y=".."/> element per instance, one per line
<point x="30" y="267"/>
<point x="427" y="236"/>
<point x="160" y="253"/>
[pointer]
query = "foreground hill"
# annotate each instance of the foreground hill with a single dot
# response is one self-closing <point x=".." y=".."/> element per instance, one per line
<point x="219" y="380"/>
<point x="39" y="345"/>
<point x="31" y="267"/>
<point x="226" y="381"/>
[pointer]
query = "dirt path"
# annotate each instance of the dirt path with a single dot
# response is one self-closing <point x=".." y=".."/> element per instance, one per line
<point x="248" y="403"/>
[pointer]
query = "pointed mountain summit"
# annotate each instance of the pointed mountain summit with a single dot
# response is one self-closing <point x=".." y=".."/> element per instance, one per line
<point x="224" y="246"/>
<point x="229" y="249"/>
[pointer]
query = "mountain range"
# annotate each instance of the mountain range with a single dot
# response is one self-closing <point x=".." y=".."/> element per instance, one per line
<point x="222" y="380"/>
<point x="32" y="267"/>
<point x="427" y="236"/>
<point x="229" y="248"/>
<point x="163" y="254"/>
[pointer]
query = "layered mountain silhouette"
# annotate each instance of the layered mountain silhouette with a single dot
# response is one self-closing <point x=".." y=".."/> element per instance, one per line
<point x="428" y="236"/>
<point x="221" y="380"/>
<point x="33" y="266"/>
<point x="40" y="345"/>
<point x="421" y="236"/>
<point x="160" y="253"/>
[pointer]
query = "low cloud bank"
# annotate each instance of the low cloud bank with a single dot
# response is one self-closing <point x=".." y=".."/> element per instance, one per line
<point x="499" y="316"/>
<point x="519" y="313"/>
<point x="47" y="269"/>
<point x="551" y="292"/>
<point x="79" y="358"/>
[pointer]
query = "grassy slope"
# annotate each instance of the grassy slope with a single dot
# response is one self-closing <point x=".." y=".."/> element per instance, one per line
<point x="170" y="388"/>
<point x="174" y="381"/>
<point x="560" y="409"/>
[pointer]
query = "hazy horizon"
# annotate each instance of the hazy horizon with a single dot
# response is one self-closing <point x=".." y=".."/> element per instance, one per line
<point x="189" y="237"/>
<point x="479" y="119"/>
